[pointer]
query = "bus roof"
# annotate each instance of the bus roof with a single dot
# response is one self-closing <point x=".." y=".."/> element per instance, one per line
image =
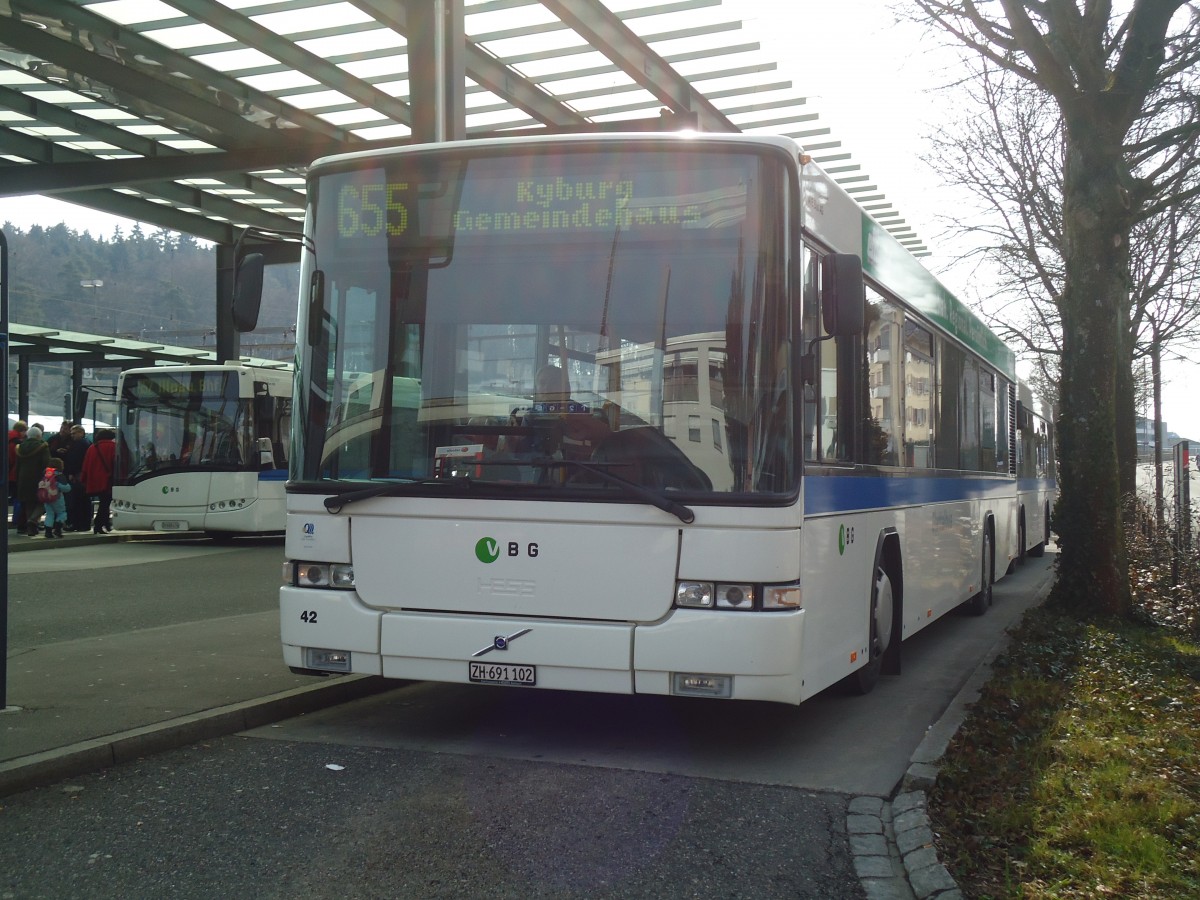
<point x="786" y="144"/>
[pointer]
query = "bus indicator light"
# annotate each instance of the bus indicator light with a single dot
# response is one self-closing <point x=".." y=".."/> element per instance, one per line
<point x="781" y="596"/>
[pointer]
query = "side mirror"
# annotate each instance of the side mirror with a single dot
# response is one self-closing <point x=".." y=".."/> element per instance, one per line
<point x="843" y="295"/>
<point x="316" y="307"/>
<point x="247" y="292"/>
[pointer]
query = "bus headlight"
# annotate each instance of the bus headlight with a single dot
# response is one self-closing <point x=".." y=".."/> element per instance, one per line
<point x="694" y="593"/>
<point x="237" y="503"/>
<point x="736" y="595"/>
<point x="339" y="576"/>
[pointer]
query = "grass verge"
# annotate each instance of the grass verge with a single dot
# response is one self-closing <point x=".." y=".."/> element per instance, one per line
<point x="1077" y="773"/>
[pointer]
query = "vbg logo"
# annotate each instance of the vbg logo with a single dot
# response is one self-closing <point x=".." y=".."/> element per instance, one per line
<point x="487" y="550"/>
<point x="167" y="489"/>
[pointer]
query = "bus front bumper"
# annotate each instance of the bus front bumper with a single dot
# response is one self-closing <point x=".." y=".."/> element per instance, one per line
<point x="735" y="654"/>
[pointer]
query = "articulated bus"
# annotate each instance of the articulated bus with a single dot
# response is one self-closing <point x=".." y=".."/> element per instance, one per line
<point x="1036" y="473"/>
<point x="202" y="448"/>
<point x="655" y="414"/>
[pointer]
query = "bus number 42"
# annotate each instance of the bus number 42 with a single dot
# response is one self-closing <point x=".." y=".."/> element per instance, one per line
<point x="309" y="616"/>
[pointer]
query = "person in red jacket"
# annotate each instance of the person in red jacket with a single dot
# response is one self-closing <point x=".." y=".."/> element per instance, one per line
<point x="98" y="476"/>
<point x="16" y="435"/>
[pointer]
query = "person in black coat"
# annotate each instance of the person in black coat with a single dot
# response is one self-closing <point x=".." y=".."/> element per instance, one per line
<point x="33" y="456"/>
<point x="79" y="504"/>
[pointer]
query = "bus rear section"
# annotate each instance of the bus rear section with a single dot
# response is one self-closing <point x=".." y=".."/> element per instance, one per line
<point x="202" y="448"/>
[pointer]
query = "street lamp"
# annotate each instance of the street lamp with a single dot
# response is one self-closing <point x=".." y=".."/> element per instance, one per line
<point x="92" y="284"/>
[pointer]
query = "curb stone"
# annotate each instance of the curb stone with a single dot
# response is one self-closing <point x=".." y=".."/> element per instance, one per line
<point x="46" y="767"/>
<point x="877" y="862"/>
<point x="916" y="871"/>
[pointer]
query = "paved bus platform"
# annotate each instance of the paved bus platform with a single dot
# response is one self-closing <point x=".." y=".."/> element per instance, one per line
<point x="83" y="705"/>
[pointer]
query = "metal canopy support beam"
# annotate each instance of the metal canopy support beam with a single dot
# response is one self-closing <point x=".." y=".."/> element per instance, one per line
<point x="182" y="195"/>
<point x="235" y="130"/>
<point x="252" y="34"/>
<point x="228" y="339"/>
<point x="100" y="28"/>
<point x="23" y="388"/>
<point x="436" y="73"/>
<point x="84" y="171"/>
<point x="484" y="69"/>
<point x="603" y="30"/>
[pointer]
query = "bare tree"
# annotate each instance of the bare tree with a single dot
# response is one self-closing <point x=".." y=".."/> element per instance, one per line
<point x="1119" y="85"/>
<point x="1008" y="155"/>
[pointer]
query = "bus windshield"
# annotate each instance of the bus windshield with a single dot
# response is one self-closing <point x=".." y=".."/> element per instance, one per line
<point x="516" y="321"/>
<point x="173" y="421"/>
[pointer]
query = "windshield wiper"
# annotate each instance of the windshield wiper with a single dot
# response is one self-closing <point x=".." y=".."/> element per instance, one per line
<point x="392" y="488"/>
<point x="654" y="498"/>
<point x="463" y="482"/>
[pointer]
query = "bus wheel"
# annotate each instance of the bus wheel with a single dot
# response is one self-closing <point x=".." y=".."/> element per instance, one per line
<point x="979" y="604"/>
<point x="882" y="609"/>
<point x="1019" y="557"/>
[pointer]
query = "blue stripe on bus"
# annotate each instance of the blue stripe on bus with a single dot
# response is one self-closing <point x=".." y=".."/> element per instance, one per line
<point x="273" y="475"/>
<point x="825" y="494"/>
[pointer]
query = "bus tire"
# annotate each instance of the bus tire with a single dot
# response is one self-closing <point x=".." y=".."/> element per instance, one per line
<point x="981" y="602"/>
<point x="1020" y="557"/>
<point x="883" y="607"/>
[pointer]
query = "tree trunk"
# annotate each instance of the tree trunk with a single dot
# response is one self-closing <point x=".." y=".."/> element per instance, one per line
<point x="1126" y="408"/>
<point x="1092" y="564"/>
<point x="1156" y="370"/>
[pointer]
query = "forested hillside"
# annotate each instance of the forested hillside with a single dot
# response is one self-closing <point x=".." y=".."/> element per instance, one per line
<point x="159" y="286"/>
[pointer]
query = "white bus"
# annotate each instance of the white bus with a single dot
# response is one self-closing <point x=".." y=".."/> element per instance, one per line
<point x="202" y="448"/>
<point x="1037" y="482"/>
<point x="760" y="478"/>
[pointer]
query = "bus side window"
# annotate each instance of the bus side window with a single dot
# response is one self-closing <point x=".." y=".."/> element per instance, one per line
<point x="824" y="425"/>
<point x="919" y="400"/>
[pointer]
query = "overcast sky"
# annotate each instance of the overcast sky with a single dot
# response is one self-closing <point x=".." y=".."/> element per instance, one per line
<point x="871" y="81"/>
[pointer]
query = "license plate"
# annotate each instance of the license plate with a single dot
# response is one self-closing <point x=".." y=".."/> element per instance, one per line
<point x="171" y="525"/>
<point x="501" y="673"/>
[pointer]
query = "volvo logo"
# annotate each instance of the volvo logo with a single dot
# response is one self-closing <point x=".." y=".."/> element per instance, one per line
<point x="501" y="642"/>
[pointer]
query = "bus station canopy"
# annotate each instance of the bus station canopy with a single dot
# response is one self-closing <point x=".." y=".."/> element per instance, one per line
<point x="35" y="344"/>
<point x="200" y="116"/>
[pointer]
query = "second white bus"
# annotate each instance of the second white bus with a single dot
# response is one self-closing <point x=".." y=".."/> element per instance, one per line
<point x="202" y="448"/>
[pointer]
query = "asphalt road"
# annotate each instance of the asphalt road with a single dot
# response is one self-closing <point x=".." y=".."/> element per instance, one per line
<point x="446" y="791"/>
<point x="66" y="594"/>
<point x="241" y="817"/>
